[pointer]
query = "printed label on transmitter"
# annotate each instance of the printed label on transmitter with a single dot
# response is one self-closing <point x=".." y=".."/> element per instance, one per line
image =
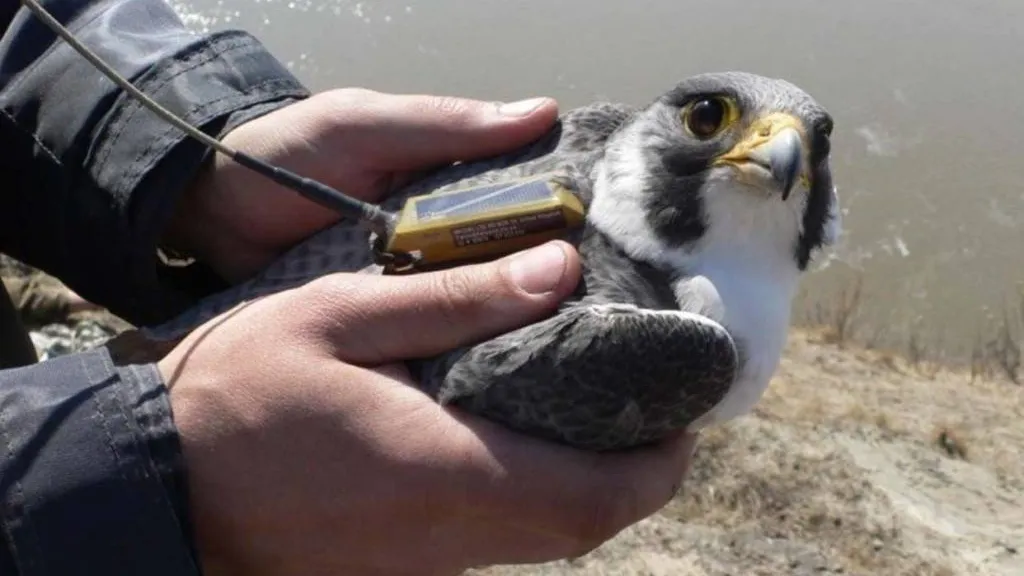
<point x="505" y="228"/>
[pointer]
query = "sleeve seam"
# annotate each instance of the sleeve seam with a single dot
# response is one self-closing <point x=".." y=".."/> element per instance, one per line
<point x="16" y="502"/>
<point x="35" y="138"/>
<point x="130" y="424"/>
<point x="143" y="467"/>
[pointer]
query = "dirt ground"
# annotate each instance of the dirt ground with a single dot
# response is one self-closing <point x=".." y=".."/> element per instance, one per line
<point x="853" y="463"/>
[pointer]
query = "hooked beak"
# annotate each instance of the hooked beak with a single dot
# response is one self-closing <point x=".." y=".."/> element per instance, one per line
<point x="774" y="144"/>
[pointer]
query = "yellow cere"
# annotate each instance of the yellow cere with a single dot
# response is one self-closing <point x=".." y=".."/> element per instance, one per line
<point x="760" y="131"/>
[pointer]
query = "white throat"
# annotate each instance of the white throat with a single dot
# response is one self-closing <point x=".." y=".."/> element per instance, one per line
<point x="742" y="273"/>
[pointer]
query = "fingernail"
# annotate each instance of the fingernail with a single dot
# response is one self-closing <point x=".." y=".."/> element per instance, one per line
<point x="538" y="270"/>
<point x="522" y="107"/>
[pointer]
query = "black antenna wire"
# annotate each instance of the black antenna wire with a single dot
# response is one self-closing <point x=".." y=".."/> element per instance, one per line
<point x="379" y="220"/>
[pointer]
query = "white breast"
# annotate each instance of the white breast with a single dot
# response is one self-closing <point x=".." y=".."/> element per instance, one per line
<point x="753" y="303"/>
<point x="744" y="275"/>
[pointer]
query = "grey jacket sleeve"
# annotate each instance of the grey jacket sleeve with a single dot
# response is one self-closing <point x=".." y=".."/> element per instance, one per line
<point x="90" y="175"/>
<point x="90" y="474"/>
<point x="91" y="478"/>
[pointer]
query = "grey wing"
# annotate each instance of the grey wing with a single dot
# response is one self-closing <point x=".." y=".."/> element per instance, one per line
<point x="597" y="377"/>
<point x="576" y="140"/>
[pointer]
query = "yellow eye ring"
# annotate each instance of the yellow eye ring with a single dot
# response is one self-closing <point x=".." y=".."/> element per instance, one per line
<point x="707" y="116"/>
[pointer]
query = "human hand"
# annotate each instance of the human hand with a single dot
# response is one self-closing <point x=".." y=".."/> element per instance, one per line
<point x="309" y="451"/>
<point x="361" y="142"/>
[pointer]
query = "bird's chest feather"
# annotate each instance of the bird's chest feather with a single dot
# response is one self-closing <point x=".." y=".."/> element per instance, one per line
<point x="751" y="302"/>
<point x="745" y="280"/>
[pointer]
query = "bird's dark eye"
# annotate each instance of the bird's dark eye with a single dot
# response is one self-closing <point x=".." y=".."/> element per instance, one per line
<point x="708" y="116"/>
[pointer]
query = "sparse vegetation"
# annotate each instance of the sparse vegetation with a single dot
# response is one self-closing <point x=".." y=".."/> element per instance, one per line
<point x="841" y="319"/>
<point x="981" y="368"/>
<point x="839" y="314"/>
<point x="848" y="305"/>
<point x="1001" y="347"/>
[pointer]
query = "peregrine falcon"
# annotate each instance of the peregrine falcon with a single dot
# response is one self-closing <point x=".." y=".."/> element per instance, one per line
<point x="703" y="209"/>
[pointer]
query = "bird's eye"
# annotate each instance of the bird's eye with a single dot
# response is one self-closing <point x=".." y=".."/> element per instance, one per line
<point x="708" y="116"/>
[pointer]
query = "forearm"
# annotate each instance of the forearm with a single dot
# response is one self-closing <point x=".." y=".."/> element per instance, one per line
<point x="91" y="477"/>
<point x="94" y="177"/>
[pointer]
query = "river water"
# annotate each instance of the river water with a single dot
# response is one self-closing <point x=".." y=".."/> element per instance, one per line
<point x="928" y="98"/>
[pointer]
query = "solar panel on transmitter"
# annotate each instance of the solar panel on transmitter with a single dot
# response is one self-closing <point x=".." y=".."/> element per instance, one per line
<point x="482" y="199"/>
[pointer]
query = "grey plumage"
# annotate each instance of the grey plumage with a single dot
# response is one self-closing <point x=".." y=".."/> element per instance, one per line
<point x="633" y="355"/>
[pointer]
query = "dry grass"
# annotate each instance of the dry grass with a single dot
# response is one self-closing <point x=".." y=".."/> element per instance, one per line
<point x="775" y="483"/>
<point x="878" y="390"/>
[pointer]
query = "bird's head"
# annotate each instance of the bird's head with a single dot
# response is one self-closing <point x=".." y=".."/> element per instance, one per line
<point x="732" y="158"/>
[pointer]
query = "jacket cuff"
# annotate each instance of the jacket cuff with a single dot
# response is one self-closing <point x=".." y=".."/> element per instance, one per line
<point x="91" y="477"/>
<point x="215" y="84"/>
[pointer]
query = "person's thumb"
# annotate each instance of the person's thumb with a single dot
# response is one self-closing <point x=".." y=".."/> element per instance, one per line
<point x="383" y="319"/>
<point x="413" y="132"/>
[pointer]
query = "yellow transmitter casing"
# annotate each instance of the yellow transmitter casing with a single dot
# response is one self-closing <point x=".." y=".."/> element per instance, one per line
<point x="483" y="222"/>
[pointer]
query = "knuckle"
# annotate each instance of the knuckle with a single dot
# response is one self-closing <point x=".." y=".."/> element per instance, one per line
<point x="325" y="288"/>
<point x="458" y="297"/>
<point x="345" y="317"/>
<point x="352" y="107"/>
<point x="330" y="299"/>
<point x="453" y="107"/>
<point x="345" y="97"/>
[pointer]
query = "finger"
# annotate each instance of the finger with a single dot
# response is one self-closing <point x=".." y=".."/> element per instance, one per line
<point x="374" y="320"/>
<point x="580" y="498"/>
<point x="395" y="132"/>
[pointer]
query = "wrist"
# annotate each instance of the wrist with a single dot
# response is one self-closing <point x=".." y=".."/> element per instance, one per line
<point x="182" y="236"/>
<point x="188" y="421"/>
<point x="201" y="230"/>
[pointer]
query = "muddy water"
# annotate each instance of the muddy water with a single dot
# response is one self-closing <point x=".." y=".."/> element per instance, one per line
<point x="928" y="97"/>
